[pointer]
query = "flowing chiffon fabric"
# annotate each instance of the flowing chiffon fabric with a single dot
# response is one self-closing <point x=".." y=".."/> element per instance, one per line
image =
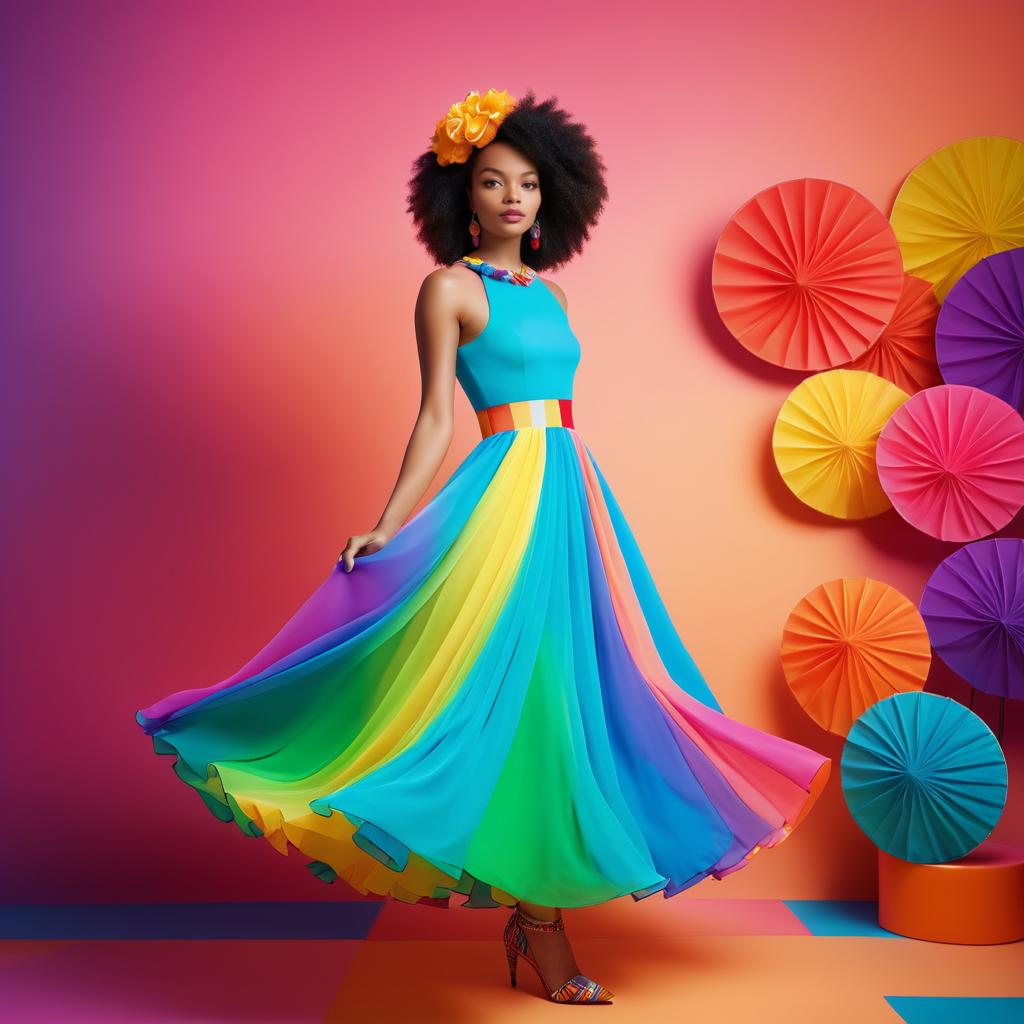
<point x="497" y="704"/>
<point x="494" y="703"/>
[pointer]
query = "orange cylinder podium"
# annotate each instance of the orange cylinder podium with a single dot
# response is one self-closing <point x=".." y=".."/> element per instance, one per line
<point x="975" y="900"/>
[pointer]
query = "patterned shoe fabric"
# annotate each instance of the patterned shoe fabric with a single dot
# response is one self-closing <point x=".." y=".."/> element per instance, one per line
<point x="581" y="989"/>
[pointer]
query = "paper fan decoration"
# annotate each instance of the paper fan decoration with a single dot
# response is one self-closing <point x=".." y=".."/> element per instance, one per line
<point x="951" y="460"/>
<point x="979" y="339"/>
<point x="824" y="441"/>
<point x="849" y="644"/>
<point x="973" y="605"/>
<point x="905" y="353"/>
<point x="961" y="204"/>
<point x="923" y="777"/>
<point x="807" y="274"/>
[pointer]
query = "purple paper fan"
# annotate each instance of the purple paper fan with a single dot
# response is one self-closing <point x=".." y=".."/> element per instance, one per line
<point x="973" y="606"/>
<point x="979" y="335"/>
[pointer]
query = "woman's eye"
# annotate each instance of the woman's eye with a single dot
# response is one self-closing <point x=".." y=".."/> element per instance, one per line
<point x="493" y="181"/>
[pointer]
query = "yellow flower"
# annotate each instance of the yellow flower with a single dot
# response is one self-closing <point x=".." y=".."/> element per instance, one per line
<point x="473" y="122"/>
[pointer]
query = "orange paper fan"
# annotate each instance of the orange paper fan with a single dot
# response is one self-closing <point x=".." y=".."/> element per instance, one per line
<point x="807" y="274"/>
<point x="905" y="353"/>
<point x="849" y="644"/>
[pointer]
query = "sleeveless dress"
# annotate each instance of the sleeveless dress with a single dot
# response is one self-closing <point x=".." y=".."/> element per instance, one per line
<point x="495" y="703"/>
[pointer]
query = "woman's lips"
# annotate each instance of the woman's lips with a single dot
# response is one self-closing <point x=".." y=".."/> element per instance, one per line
<point x="512" y="216"/>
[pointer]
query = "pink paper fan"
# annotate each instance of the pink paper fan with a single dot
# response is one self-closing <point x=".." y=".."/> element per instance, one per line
<point x="951" y="460"/>
<point x="807" y="274"/>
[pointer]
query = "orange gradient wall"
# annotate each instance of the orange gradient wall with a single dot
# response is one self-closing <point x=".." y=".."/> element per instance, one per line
<point x="211" y="367"/>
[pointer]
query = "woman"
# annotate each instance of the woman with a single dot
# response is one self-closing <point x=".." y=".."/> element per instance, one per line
<point x="490" y="698"/>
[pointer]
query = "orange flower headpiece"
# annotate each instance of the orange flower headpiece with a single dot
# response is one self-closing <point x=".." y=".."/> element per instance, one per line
<point x="473" y="122"/>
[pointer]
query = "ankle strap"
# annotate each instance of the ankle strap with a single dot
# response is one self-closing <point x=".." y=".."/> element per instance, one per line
<point x="529" y="921"/>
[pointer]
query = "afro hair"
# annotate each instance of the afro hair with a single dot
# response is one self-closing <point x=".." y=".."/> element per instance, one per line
<point x="573" y="190"/>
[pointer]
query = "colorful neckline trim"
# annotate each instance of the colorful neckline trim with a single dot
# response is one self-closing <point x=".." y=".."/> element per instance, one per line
<point x="524" y="276"/>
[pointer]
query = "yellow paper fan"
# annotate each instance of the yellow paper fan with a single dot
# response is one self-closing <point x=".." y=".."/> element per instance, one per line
<point x="824" y="441"/>
<point x="961" y="204"/>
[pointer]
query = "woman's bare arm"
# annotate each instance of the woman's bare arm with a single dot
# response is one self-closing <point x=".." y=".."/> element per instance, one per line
<point x="437" y="321"/>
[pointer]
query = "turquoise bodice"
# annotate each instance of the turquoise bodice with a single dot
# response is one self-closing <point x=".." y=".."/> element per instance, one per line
<point x="526" y="351"/>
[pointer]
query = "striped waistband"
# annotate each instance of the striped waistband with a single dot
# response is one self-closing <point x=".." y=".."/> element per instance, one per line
<point x="531" y="412"/>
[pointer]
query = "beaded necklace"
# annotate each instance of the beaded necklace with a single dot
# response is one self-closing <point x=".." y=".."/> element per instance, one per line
<point x="523" y="276"/>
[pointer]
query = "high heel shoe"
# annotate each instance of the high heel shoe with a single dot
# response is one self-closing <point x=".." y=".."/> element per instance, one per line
<point x="578" y="989"/>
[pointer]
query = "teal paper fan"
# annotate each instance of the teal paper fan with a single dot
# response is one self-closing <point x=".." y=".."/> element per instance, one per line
<point x="923" y="777"/>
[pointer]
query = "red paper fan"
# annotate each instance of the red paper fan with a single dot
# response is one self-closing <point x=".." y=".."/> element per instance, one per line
<point x="807" y="274"/>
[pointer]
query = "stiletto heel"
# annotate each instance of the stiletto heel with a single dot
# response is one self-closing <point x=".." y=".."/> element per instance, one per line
<point x="577" y="989"/>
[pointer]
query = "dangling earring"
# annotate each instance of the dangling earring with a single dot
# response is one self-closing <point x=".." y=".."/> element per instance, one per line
<point x="474" y="230"/>
<point x="535" y="235"/>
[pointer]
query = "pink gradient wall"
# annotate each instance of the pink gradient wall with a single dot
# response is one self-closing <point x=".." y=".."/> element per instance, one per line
<point x="211" y="368"/>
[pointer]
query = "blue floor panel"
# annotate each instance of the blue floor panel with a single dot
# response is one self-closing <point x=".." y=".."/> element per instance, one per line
<point x="840" y="917"/>
<point x="958" y="1009"/>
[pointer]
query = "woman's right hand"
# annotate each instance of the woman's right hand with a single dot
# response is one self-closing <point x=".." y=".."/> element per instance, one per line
<point x="362" y="544"/>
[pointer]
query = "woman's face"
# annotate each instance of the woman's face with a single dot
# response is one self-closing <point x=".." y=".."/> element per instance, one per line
<point x="504" y="182"/>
